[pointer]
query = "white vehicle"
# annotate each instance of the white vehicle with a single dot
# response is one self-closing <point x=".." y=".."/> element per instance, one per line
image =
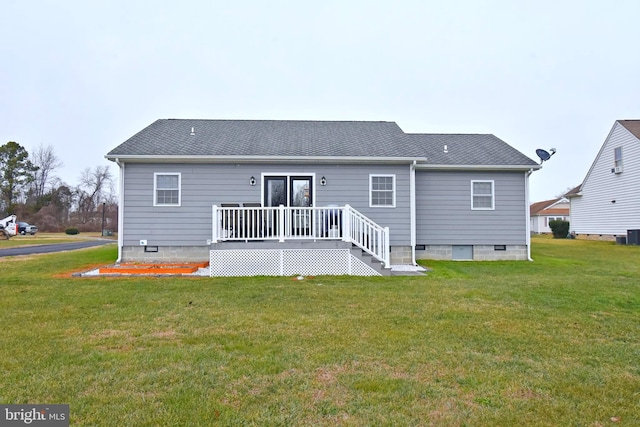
<point x="8" y="226"/>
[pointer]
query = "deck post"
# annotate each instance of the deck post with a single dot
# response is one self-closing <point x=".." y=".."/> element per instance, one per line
<point x="385" y="249"/>
<point x="216" y="224"/>
<point x="281" y="224"/>
<point x="346" y="224"/>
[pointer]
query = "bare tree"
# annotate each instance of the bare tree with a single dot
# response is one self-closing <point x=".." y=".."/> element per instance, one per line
<point x="46" y="160"/>
<point x="94" y="188"/>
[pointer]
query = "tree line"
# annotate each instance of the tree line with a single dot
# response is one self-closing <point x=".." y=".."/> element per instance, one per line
<point x="31" y="190"/>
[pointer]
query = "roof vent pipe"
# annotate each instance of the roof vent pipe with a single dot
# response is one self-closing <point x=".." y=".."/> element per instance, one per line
<point x="193" y="132"/>
<point x="446" y="149"/>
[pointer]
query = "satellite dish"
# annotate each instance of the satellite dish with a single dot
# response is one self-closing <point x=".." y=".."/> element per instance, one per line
<point x="544" y="154"/>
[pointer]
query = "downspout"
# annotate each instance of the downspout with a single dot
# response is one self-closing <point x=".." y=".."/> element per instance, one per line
<point x="120" y="212"/>
<point x="527" y="174"/>
<point x="412" y="208"/>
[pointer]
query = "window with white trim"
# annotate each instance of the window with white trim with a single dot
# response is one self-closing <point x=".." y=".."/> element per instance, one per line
<point x="166" y="189"/>
<point x="547" y="220"/>
<point x="382" y="191"/>
<point x="482" y="195"/>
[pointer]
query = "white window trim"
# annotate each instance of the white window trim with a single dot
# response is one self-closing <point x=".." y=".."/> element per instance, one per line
<point x="155" y="189"/>
<point x="379" y="175"/>
<point x="493" y="195"/>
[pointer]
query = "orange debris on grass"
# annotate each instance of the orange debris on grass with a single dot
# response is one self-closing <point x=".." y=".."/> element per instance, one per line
<point x="154" y="268"/>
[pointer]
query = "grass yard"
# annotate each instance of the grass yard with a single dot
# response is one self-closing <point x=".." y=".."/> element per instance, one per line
<point x="555" y="342"/>
<point x="48" y="238"/>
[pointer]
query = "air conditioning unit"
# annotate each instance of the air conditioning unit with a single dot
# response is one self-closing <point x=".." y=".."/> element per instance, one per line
<point x="617" y="169"/>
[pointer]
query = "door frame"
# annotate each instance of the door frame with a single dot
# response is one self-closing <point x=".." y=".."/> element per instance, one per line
<point x="288" y="175"/>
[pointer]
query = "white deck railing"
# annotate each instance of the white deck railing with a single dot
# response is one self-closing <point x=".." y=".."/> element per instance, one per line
<point x="301" y="223"/>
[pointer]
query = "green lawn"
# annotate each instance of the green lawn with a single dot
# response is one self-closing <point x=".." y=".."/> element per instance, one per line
<point x="48" y="238"/>
<point x="550" y="342"/>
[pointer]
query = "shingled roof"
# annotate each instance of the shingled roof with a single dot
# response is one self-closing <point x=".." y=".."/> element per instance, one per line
<point x="632" y="126"/>
<point x="548" y="207"/>
<point x="469" y="150"/>
<point x="173" y="137"/>
<point x="293" y="139"/>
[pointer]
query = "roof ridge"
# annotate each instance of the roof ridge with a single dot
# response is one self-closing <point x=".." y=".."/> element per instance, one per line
<point x="282" y="120"/>
<point x="450" y="134"/>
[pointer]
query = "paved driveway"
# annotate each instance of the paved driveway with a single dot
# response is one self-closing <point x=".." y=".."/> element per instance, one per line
<point x="56" y="247"/>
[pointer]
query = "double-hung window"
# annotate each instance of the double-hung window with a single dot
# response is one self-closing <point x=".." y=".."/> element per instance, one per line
<point x="382" y="191"/>
<point x="166" y="189"/>
<point x="617" y="159"/>
<point x="482" y="195"/>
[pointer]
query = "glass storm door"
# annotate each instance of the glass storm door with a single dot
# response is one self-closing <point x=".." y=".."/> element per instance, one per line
<point x="300" y="197"/>
<point x="275" y="194"/>
<point x="275" y="191"/>
<point x="300" y="194"/>
<point x="293" y="192"/>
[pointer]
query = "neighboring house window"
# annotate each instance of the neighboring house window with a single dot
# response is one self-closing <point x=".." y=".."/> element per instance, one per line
<point x="482" y="195"/>
<point x="552" y="218"/>
<point x="382" y="191"/>
<point x="166" y="189"/>
<point x="617" y="157"/>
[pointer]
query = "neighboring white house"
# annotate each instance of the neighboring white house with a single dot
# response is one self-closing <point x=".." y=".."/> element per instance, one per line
<point x="548" y="210"/>
<point x="607" y="203"/>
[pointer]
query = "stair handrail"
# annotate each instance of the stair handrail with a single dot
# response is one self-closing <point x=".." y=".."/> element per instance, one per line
<point x="366" y="234"/>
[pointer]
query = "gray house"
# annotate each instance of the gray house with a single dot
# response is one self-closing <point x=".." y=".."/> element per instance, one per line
<point x="262" y="197"/>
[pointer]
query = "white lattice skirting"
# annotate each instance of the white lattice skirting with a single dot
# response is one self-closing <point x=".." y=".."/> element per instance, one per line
<point x="287" y="262"/>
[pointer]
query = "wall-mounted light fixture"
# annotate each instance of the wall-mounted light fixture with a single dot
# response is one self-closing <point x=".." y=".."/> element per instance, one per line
<point x="323" y="181"/>
<point x="252" y="181"/>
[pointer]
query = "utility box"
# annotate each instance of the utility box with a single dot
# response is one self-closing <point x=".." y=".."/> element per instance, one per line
<point x="633" y="237"/>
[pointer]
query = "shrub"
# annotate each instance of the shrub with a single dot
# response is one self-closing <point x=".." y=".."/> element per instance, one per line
<point x="71" y="230"/>
<point x="559" y="228"/>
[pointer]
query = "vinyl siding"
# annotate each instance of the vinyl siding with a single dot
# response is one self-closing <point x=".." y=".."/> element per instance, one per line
<point x="594" y="212"/>
<point x="444" y="215"/>
<point x="204" y="185"/>
<point x="537" y="224"/>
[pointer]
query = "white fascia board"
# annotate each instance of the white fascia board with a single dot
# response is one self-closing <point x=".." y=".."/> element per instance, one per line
<point x="260" y="159"/>
<point x="478" y="167"/>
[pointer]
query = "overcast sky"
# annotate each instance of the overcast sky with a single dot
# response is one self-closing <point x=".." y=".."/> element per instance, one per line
<point x="83" y="76"/>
